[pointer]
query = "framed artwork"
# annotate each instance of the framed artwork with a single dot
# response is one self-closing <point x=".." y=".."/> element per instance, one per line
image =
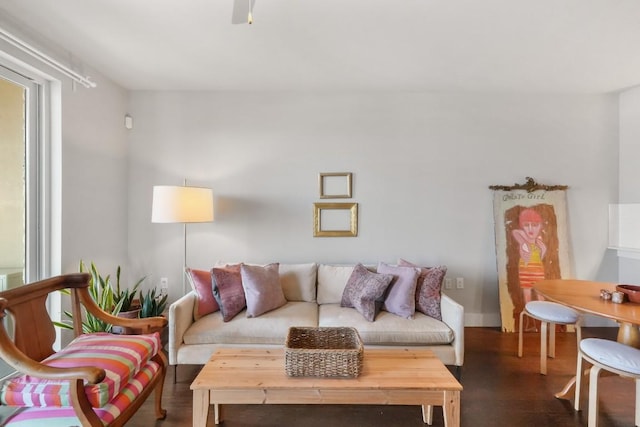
<point x="335" y="219"/>
<point x="531" y="244"/>
<point x="335" y="185"/>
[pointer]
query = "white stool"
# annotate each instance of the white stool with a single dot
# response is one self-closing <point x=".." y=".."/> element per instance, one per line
<point x="550" y="314"/>
<point x="611" y="356"/>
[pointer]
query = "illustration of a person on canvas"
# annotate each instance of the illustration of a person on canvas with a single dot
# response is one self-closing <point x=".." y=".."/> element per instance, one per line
<point x="532" y="250"/>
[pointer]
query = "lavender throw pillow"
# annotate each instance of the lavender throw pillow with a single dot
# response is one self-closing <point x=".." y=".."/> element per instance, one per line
<point x="202" y="285"/>
<point x="400" y="298"/>
<point x="429" y="289"/>
<point x="262" y="288"/>
<point x="365" y="291"/>
<point x="228" y="291"/>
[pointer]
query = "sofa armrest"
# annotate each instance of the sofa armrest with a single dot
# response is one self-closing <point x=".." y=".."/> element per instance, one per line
<point x="453" y="316"/>
<point x="180" y="318"/>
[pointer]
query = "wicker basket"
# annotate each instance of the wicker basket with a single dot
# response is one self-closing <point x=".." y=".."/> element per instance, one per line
<point x="323" y="352"/>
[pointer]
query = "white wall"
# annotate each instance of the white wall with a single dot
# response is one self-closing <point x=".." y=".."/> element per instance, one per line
<point x="422" y="164"/>
<point x="629" y="172"/>
<point x="95" y="177"/>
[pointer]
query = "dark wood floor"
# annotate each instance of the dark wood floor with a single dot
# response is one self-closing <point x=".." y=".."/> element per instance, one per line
<point x="499" y="390"/>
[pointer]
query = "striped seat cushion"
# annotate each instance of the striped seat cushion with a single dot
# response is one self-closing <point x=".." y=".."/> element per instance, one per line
<point x="65" y="416"/>
<point x="121" y="356"/>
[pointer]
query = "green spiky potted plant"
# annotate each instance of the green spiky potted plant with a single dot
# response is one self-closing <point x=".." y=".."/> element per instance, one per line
<point x="102" y="293"/>
<point x="152" y="305"/>
<point x="115" y="301"/>
<point x="130" y="308"/>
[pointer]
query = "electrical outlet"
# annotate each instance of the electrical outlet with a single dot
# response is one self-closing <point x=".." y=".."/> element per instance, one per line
<point x="164" y="286"/>
<point x="448" y="283"/>
<point x="459" y="283"/>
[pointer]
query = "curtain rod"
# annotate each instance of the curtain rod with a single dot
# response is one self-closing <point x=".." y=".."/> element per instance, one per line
<point x="46" y="59"/>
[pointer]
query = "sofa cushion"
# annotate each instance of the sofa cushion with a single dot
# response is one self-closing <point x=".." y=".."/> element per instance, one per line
<point x="298" y="281"/>
<point x="66" y="416"/>
<point x="400" y="298"/>
<point x="429" y="289"/>
<point x="228" y="290"/>
<point x="121" y="356"/>
<point x="201" y="283"/>
<point x="270" y="328"/>
<point x="262" y="288"/>
<point x="388" y="329"/>
<point x="365" y="291"/>
<point x="331" y="282"/>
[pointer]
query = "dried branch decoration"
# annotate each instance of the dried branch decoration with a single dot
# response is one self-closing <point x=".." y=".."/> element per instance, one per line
<point x="530" y="186"/>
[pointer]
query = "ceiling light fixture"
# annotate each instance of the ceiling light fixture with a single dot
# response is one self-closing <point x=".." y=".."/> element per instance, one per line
<point x="242" y="12"/>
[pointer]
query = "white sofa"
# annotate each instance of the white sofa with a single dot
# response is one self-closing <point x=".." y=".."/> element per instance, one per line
<point x="313" y="293"/>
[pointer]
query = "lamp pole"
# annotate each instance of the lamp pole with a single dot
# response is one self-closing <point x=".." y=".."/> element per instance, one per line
<point x="184" y="254"/>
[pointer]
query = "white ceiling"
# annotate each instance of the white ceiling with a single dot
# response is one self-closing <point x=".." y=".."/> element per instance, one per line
<point x="586" y="46"/>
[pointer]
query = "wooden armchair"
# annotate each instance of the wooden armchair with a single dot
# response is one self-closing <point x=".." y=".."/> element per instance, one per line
<point x="34" y="335"/>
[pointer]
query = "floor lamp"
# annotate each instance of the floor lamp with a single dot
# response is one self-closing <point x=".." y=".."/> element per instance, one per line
<point x="182" y="204"/>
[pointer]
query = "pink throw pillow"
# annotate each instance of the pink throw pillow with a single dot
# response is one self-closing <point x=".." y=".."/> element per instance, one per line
<point x="429" y="289"/>
<point x="262" y="289"/>
<point x="201" y="284"/>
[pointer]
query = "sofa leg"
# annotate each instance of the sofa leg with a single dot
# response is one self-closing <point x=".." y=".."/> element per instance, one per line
<point x="175" y="374"/>
<point x="458" y="373"/>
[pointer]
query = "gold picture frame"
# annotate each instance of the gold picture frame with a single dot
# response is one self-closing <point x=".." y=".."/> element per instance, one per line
<point x="335" y="219"/>
<point x="335" y="185"/>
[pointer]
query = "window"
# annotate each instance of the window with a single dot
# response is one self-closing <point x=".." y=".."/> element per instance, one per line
<point x="25" y="184"/>
<point x="20" y="170"/>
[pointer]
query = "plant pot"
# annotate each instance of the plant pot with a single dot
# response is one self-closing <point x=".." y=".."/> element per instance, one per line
<point x="122" y="330"/>
<point x="131" y="314"/>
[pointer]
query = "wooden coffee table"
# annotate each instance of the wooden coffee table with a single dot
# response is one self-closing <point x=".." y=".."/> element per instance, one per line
<point x="389" y="377"/>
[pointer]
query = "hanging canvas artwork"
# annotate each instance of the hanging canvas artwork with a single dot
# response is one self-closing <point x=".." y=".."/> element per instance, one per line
<point x="531" y="243"/>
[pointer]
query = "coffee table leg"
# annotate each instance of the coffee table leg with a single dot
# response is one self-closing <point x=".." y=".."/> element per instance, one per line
<point x="217" y="413"/>
<point x="200" y="408"/>
<point x="451" y="409"/>
<point x="427" y="414"/>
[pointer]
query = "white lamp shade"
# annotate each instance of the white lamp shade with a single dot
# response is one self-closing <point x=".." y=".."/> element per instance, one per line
<point x="181" y="204"/>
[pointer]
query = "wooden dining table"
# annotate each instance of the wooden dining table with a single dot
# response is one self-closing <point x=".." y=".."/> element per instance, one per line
<point x="584" y="296"/>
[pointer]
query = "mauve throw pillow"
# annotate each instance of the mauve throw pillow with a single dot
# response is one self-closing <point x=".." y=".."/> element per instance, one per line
<point x="202" y="285"/>
<point x="262" y="288"/>
<point x="228" y="291"/>
<point x="365" y="291"/>
<point x="400" y="298"/>
<point x="429" y="289"/>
